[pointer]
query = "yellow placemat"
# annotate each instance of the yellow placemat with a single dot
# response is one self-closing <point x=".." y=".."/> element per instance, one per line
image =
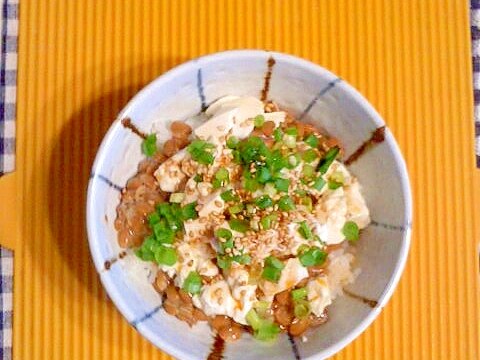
<point x="80" y="61"/>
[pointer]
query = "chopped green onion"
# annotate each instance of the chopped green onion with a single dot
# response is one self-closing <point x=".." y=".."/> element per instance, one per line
<point x="153" y="218"/>
<point x="267" y="332"/>
<point x="282" y="184"/>
<point x="336" y="180"/>
<point x="264" y="330"/>
<point x="285" y="203"/>
<point x="338" y="177"/>
<point x="304" y="230"/>
<point x="217" y="183"/>
<point x="177" y="197"/>
<point x="308" y="171"/>
<point x="292" y="131"/>
<point x="201" y="151"/>
<point x="277" y="134"/>
<point x="272" y="261"/>
<point x="313" y="257"/>
<point x="309" y="155"/>
<point x="251" y="185"/>
<point x="222" y="174"/>
<point x="253" y="319"/>
<point x="252" y="149"/>
<point x="224" y="234"/>
<point x="198" y="178"/>
<point x="149" y="145"/>
<point x="299" y="294"/>
<point x="312" y="140"/>
<point x="163" y="234"/>
<point x="307" y="202"/>
<point x="301" y="310"/>
<point x="242" y="259"/>
<point x="271" y="274"/>
<point x="193" y="283"/>
<point x="264" y="201"/>
<point x="319" y="183"/>
<point x="262" y="307"/>
<point x="267" y="221"/>
<point x="146" y="250"/>
<point x="300" y="192"/>
<point x="189" y="211"/>
<point x="224" y="262"/>
<point x="232" y="142"/>
<point x="259" y="121"/>
<point x="276" y="161"/>
<point x="237" y="158"/>
<point x="328" y="160"/>
<point x="239" y="225"/>
<point x="235" y="209"/>
<point x="163" y="209"/>
<point x="228" y="196"/>
<point x="333" y="185"/>
<point x="263" y="175"/>
<point x="351" y="231"/>
<point x="165" y="255"/>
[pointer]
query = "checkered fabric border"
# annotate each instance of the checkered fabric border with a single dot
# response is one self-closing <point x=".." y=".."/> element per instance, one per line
<point x="6" y="289"/>
<point x="8" y="84"/>
<point x="475" y="29"/>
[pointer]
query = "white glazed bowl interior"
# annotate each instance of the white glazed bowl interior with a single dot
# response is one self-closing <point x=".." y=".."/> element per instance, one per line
<point x="296" y="85"/>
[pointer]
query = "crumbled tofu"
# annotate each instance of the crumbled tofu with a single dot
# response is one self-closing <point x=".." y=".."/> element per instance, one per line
<point x="216" y="127"/>
<point x="331" y="211"/>
<point x="216" y="299"/>
<point x="212" y="204"/>
<point x="242" y="292"/>
<point x="193" y="256"/>
<point x="356" y="207"/>
<point x="169" y="174"/>
<point x="293" y="273"/>
<point x="319" y="295"/>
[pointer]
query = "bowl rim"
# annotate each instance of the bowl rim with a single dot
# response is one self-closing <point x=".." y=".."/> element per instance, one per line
<point x="399" y="161"/>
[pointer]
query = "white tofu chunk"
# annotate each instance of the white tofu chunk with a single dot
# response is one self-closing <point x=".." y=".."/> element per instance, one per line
<point x="169" y="174"/>
<point x="293" y="273"/>
<point x="212" y="203"/>
<point x="319" y="295"/>
<point x="216" y="127"/>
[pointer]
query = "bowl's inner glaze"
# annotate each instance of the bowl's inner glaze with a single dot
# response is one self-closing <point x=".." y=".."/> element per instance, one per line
<point x="310" y="93"/>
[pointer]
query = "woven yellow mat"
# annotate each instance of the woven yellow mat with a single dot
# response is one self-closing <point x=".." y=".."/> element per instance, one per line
<point x="79" y="63"/>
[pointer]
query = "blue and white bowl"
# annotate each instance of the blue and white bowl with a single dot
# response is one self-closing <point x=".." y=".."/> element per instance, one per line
<point x="311" y="93"/>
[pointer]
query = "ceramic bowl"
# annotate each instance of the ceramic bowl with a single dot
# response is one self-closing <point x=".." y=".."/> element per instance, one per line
<point x="311" y="93"/>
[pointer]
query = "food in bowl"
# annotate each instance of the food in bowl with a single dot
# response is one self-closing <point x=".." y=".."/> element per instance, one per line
<point x="250" y="219"/>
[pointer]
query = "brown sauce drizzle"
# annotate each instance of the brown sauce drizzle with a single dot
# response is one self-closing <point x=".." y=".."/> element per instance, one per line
<point x="127" y="124"/>
<point x="108" y="264"/>
<point x="268" y="76"/>
<point x="371" y="303"/>
<point x="377" y="137"/>
<point x="218" y="347"/>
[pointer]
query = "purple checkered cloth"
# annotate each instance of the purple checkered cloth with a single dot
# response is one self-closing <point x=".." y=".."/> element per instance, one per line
<point x="475" y="29"/>
<point x="6" y="293"/>
<point x="8" y="84"/>
<point x="8" y="98"/>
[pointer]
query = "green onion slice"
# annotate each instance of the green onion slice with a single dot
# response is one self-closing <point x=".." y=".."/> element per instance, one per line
<point x="351" y="231"/>
<point x="149" y="145"/>
<point x="193" y="283"/>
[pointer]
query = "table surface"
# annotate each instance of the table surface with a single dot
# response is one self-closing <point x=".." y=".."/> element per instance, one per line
<point x="80" y="62"/>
